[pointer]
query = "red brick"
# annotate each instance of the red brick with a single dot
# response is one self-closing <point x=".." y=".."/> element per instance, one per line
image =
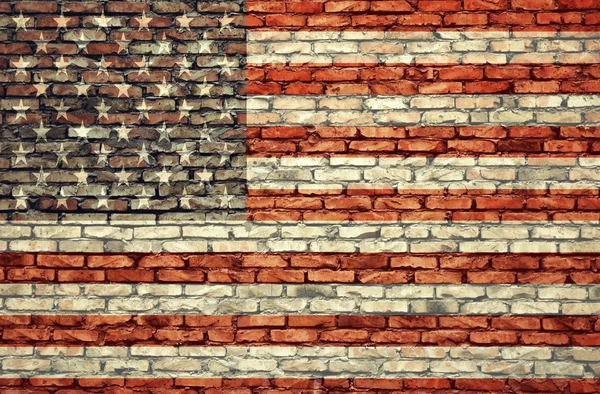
<point x="464" y="262"/>
<point x="413" y="321"/>
<point x="26" y="334"/>
<point x="294" y="335"/>
<point x="81" y="276"/>
<point x="169" y="260"/>
<point x="222" y="336"/>
<point x="515" y="262"/>
<point x="261" y="321"/>
<point x="36" y="7"/>
<point x="60" y="260"/>
<point x="345" y="336"/>
<point x="330" y="276"/>
<point x="497" y="337"/>
<point x="311" y="321"/>
<point x="76" y="335"/>
<point x="109" y="261"/>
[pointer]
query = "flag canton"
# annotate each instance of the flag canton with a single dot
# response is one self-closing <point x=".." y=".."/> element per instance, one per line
<point x="132" y="108"/>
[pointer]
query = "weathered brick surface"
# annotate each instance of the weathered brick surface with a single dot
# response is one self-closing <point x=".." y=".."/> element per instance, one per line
<point x="169" y="330"/>
<point x="117" y="107"/>
<point x="273" y="362"/>
<point x="328" y="384"/>
<point x="300" y="299"/>
<point x="380" y="268"/>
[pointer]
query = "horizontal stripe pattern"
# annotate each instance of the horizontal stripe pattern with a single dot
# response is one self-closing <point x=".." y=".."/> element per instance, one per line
<point x="276" y="299"/>
<point x="576" y="235"/>
<point x="273" y="361"/>
<point x="298" y="330"/>
<point x="376" y="268"/>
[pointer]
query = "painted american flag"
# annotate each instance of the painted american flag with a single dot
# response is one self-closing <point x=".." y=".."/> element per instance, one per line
<point x="339" y="196"/>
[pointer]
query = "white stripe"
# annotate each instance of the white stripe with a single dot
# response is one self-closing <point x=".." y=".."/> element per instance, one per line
<point x="453" y="109"/>
<point x="274" y="299"/>
<point x="304" y="174"/>
<point x="222" y="235"/>
<point x="290" y="361"/>
<point x="422" y="47"/>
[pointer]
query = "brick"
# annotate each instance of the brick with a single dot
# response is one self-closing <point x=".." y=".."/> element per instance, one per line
<point x="294" y="335"/>
<point x="62" y="260"/>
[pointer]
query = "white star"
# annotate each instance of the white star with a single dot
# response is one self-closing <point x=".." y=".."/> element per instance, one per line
<point x="163" y="88"/>
<point x="226" y="21"/>
<point x="184" y="109"/>
<point x="102" y="110"/>
<point x="82" y="89"/>
<point x="123" y="43"/>
<point x="184" y="66"/>
<point x="123" y="89"/>
<point x="21" y="110"/>
<point x="205" y="88"/>
<point x="63" y="201"/>
<point x="144" y="21"/>
<point x="226" y="116"/>
<point x="164" y="133"/>
<point x="102" y="20"/>
<point x="226" y="66"/>
<point x="164" y="47"/>
<point x="82" y="177"/>
<point x="143" y="109"/>
<point x="61" y="155"/>
<point x="41" y="132"/>
<point x="205" y="133"/>
<point x="102" y="66"/>
<point x="41" y="178"/>
<point x="184" y="201"/>
<point x="41" y="44"/>
<point x="142" y="65"/>
<point x="21" y="21"/>
<point x="103" y="155"/>
<point x="102" y="201"/>
<point x="204" y="176"/>
<point x="20" y="65"/>
<point x="82" y="42"/>
<point x="82" y="132"/>
<point x="41" y="88"/>
<point x="225" y="201"/>
<point x="123" y="177"/>
<point x="144" y="200"/>
<point x="204" y="46"/>
<point x="122" y="133"/>
<point x="184" y="154"/>
<point x="143" y="154"/>
<point x="61" y="21"/>
<point x="21" y="199"/>
<point x="164" y="176"/>
<point x="21" y="155"/>
<point x="184" y="21"/>
<point x="62" y="110"/>
<point x="62" y="65"/>
<point x="224" y="157"/>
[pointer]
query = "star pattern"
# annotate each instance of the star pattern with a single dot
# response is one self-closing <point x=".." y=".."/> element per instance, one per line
<point x="86" y="103"/>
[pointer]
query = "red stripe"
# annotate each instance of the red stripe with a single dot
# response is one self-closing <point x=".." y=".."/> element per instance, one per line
<point x="389" y="79"/>
<point x="422" y="14"/>
<point x="486" y="141"/>
<point x="382" y="268"/>
<point x="178" y="330"/>
<point x="287" y="385"/>
<point x="388" y="205"/>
